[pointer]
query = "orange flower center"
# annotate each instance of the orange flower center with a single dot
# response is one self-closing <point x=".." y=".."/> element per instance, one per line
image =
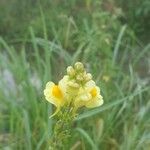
<point x="93" y="92"/>
<point x="57" y="92"/>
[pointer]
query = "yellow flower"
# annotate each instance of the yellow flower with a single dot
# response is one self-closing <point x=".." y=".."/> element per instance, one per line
<point x="76" y="89"/>
<point x="96" y="100"/>
<point x="54" y="94"/>
<point x="89" y="96"/>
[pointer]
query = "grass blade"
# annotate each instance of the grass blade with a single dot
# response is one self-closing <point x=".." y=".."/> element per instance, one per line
<point x="118" y="42"/>
<point x="87" y="137"/>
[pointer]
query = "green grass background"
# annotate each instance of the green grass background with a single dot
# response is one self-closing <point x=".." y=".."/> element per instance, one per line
<point x="39" y="39"/>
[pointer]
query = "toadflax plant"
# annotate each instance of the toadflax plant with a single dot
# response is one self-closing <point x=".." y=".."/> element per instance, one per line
<point x="74" y="90"/>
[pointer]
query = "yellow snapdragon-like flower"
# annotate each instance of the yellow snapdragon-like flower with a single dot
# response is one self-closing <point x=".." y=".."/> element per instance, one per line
<point x="54" y="94"/>
<point x="76" y="89"/>
<point x="96" y="100"/>
<point x="89" y="96"/>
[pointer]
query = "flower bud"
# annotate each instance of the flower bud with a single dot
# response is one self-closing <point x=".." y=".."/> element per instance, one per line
<point x="70" y="71"/>
<point x="79" y="77"/>
<point x="88" y="77"/>
<point x="73" y="84"/>
<point x="79" y="66"/>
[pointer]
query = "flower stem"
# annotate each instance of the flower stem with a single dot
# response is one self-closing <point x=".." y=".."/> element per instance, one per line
<point x="62" y="129"/>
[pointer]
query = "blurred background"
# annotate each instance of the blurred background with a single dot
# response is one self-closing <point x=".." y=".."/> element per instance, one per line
<point x="40" y="38"/>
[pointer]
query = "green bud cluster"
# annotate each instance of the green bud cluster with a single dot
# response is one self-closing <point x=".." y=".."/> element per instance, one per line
<point x="77" y="75"/>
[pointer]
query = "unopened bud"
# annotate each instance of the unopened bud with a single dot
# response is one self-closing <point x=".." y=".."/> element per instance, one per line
<point x="88" y="77"/>
<point x="80" y="77"/>
<point x="70" y="71"/>
<point x="79" y="66"/>
<point x="73" y="84"/>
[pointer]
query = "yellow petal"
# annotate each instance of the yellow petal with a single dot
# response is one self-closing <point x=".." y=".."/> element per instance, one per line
<point x="63" y="84"/>
<point x="90" y="85"/>
<point x="95" y="91"/>
<point x="53" y="94"/>
<point x="56" y="92"/>
<point x="48" y="92"/>
<point x="95" y="102"/>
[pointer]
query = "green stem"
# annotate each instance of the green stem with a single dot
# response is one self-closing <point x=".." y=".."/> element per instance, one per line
<point x="62" y="129"/>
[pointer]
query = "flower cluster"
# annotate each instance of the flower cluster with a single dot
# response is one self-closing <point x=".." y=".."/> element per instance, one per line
<point x="76" y="89"/>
